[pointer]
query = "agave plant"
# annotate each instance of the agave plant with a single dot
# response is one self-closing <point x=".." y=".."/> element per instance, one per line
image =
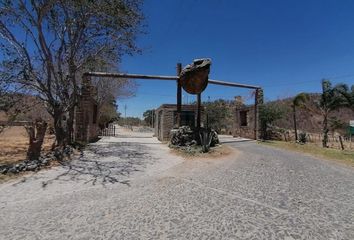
<point x="206" y="136"/>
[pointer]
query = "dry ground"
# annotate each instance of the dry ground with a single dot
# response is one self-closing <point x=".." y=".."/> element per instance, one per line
<point x="14" y="144"/>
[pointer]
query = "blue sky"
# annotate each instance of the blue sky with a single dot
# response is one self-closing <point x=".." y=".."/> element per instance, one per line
<point x="285" y="46"/>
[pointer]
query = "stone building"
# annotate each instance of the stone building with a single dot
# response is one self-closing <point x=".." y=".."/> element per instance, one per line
<point x="245" y="118"/>
<point x="244" y="122"/>
<point x="86" y="114"/>
<point x="166" y="119"/>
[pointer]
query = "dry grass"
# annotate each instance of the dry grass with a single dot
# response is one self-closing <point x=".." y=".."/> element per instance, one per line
<point x="313" y="149"/>
<point x="14" y="144"/>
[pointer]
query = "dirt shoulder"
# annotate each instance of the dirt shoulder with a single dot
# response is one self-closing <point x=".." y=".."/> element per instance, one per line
<point x="219" y="152"/>
<point x="345" y="156"/>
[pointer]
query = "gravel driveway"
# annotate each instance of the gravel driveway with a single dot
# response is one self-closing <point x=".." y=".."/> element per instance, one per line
<point x="133" y="188"/>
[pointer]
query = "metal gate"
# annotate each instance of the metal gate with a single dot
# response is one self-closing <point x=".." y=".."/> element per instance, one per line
<point x="110" y="131"/>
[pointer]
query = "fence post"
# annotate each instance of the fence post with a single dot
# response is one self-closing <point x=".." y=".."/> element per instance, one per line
<point x="341" y="142"/>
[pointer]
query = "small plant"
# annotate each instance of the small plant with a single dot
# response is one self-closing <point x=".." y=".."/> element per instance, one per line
<point x="205" y="140"/>
<point x="303" y="138"/>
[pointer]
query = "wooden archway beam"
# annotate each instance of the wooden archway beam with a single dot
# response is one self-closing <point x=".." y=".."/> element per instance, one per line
<point x="164" y="77"/>
<point x="176" y="78"/>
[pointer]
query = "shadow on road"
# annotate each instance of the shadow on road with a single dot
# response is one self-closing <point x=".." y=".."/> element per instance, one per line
<point x="107" y="163"/>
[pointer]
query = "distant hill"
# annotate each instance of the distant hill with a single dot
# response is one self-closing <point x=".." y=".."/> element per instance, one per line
<point x="221" y="115"/>
<point x="309" y="121"/>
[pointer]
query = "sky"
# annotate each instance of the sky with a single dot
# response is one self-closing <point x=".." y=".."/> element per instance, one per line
<point x="286" y="47"/>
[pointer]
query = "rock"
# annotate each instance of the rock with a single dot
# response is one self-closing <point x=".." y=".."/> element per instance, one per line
<point x="35" y="165"/>
<point x="215" y="138"/>
<point x="183" y="136"/>
<point x="4" y="169"/>
<point x="58" y="154"/>
<point x="13" y="169"/>
<point x="32" y="167"/>
<point x="50" y="155"/>
<point x="20" y="166"/>
<point x="45" y="161"/>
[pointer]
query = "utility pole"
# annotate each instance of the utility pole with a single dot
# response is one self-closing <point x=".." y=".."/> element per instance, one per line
<point x="125" y="114"/>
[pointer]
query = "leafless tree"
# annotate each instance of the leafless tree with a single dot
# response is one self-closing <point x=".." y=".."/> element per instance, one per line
<point x="49" y="43"/>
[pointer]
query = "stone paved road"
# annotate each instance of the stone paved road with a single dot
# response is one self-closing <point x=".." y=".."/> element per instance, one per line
<point x="258" y="193"/>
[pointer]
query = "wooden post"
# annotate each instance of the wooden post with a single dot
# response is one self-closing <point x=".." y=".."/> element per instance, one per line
<point x="341" y="142"/>
<point x="199" y="100"/>
<point x="256" y="115"/>
<point x="179" y="95"/>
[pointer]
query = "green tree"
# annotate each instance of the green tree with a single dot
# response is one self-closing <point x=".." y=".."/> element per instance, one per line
<point x="108" y="114"/>
<point x="330" y="100"/>
<point x="336" y="124"/>
<point x="149" y="117"/>
<point x="61" y="39"/>
<point x="298" y="101"/>
<point x="219" y="114"/>
<point x="347" y="93"/>
<point x="268" y="114"/>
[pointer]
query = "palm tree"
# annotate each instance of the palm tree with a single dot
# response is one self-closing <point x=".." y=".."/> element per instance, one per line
<point x="298" y="101"/>
<point x="347" y="94"/>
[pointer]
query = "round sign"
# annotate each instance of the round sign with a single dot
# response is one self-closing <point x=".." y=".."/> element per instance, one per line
<point x="194" y="77"/>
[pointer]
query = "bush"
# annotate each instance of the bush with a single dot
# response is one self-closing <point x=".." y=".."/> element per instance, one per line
<point x="303" y="138"/>
<point x="268" y="114"/>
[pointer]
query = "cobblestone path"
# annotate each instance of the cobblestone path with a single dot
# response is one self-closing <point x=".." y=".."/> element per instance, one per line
<point x="132" y="188"/>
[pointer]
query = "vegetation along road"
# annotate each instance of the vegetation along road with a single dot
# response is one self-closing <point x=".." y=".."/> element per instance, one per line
<point x="133" y="188"/>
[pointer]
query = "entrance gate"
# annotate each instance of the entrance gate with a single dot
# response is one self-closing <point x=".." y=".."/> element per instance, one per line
<point x="258" y="90"/>
<point x="109" y="131"/>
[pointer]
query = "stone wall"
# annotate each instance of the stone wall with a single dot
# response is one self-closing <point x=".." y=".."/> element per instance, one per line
<point x="165" y="119"/>
<point x="242" y="129"/>
<point x="86" y="114"/>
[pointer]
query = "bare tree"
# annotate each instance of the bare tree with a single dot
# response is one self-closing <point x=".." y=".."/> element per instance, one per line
<point x="60" y="40"/>
<point x="108" y="91"/>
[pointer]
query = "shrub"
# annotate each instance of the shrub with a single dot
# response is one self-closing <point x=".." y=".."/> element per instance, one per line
<point x="303" y="138"/>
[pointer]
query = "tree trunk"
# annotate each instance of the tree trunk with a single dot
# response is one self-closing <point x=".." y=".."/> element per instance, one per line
<point x="264" y="134"/>
<point x="36" y="134"/>
<point x="295" y="127"/>
<point x="60" y="128"/>
<point x="325" y="131"/>
<point x="70" y="126"/>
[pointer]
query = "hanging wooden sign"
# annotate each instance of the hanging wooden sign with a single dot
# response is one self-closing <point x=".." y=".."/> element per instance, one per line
<point x="194" y="77"/>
